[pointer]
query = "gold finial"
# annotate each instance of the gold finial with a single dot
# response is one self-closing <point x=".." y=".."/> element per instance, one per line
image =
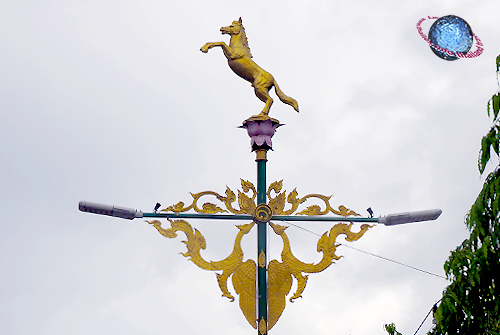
<point x="261" y="155"/>
<point x="240" y="61"/>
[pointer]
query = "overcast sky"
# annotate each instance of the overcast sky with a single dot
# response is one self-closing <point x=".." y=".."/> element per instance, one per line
<point x="112" y="102"/>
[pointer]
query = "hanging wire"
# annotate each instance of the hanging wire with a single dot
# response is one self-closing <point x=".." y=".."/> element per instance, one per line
<point x="307" y="230"/>
<point x="433" y="309"/>
<point x="387" y="259"/>
<point x="390" y="260"/>
<point x="369" y="253"/>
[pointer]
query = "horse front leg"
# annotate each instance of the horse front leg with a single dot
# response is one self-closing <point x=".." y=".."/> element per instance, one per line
<point x="210" y="45"/>
<point x="228" y="51"/>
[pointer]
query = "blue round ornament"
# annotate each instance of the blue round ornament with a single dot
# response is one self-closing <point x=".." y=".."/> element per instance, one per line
<point x="452" y="34"/>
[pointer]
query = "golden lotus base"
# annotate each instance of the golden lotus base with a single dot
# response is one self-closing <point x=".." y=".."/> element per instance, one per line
<point x="260" y="118"/>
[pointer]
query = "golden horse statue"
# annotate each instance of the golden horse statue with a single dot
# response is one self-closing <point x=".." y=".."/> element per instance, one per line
<point x="240" y="61"/>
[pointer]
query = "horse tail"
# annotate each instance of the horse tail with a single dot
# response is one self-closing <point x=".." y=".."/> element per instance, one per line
<point x="285" y="98"/>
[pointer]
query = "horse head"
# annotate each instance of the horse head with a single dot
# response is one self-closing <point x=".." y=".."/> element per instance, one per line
<point x="233" y="29"/>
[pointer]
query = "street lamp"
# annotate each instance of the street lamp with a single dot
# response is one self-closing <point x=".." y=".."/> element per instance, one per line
<point x="130" y="213"/>
<point x="408" y="217"/>
<point x="262" y="285"/>
<point x="119" y="212"/>
<point x="257" y="291"/>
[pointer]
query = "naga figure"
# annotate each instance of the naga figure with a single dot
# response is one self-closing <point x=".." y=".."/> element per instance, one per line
<point x="240" y="61"/>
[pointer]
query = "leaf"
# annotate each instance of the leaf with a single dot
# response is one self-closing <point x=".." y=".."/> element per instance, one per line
<point x="391" y="329"/>
<point x="244" y="280"/>
<point x="230" y="195"/>
<point x="311" y="210"/>
<point x="247" y="186"/>
<point x="495" y="141"/>
<point x="178" y="207"/>
<point x="484" y="153"/>
<point x="277" y="204"/>
<point x="211" y="208"/>
<point x="495" y="104"/>
<point x="275" y="186"/>
<point x="246" y="204"/>
<point x="292" y="196"/>
<point x="280" y="284"/>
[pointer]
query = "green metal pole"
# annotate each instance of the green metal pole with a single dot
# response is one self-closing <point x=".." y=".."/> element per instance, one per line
<point x="247" y="217"/>
<point x="261" y="245"/>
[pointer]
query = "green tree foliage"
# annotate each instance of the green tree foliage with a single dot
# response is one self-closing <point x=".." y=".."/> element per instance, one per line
<point x="391" y="329"/>
<point x="471" y="303"/>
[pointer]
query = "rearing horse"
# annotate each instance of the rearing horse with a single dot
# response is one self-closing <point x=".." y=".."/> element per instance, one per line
<point x="240" y="61"/>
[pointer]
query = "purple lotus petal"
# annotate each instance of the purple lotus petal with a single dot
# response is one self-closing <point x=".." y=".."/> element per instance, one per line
<point x="260" y="132"/>
<point x="261" y="139"/>
<point x="252" y="128"/>
<point x="267" y="128"/>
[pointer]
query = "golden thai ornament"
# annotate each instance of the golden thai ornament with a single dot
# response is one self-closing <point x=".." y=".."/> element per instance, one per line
<point x="243" y="273"/>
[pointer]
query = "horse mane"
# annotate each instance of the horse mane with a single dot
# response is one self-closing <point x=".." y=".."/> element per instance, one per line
<point x="244" y="41"/>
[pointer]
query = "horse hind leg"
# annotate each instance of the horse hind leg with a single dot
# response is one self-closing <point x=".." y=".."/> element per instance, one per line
<point x="263" y="94"/>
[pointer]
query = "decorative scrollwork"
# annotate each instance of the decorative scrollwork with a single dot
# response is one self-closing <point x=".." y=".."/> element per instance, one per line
<point x="262" y="326"/>
<point x="246" y="203"/>
<point x="277" y="203"/>
<point x="280" y="274"/>
<point x="263" y="213"/>
<point x="243" y="273"/>
<point x="262" y="259"/>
